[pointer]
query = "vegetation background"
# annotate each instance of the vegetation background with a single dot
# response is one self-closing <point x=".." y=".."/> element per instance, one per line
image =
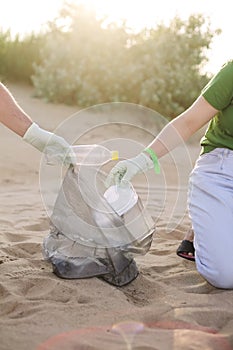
<point x="85" y="60"/>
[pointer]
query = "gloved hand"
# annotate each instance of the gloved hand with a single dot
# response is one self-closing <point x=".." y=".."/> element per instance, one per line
<point x="53" y="146"/>
<point x="125" y="170"/>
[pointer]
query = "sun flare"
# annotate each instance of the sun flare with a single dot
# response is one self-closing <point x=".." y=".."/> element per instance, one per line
<point x="137" y="14"/>
<point x="25" y="16"/>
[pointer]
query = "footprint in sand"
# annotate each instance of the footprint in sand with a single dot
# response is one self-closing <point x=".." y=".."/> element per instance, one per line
<point x="43" y="225"/>
<point x="4" y="292"/>
<point x="139" y="291"/>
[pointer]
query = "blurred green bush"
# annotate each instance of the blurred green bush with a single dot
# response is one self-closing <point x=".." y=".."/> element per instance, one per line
<point x="18" y="55"/>
<point x="84" y="60"/>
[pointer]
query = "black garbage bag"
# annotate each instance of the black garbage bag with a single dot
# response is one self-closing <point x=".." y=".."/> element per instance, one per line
<point x="88" y="238"/>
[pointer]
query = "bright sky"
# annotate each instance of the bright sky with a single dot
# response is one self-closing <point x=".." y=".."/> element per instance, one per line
<point x="24" y="16"/>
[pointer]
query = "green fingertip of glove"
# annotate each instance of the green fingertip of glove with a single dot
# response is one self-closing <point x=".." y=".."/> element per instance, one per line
<point x="154" y="159"/>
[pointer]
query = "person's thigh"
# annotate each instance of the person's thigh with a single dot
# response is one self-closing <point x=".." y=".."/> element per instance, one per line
<point x="210" y="202"/>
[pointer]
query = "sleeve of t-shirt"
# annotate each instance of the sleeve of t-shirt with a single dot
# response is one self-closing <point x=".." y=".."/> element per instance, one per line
<point x="219" y="91"/>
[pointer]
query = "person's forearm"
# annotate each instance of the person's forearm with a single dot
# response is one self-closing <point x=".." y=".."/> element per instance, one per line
<point x="183" y="127"/>
<point x="11" y="114"/>
<point x="175" y="133"/>
<point x="170" y="137"/>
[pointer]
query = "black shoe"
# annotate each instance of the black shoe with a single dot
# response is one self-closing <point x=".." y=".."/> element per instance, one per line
<point x="186" y="250"/>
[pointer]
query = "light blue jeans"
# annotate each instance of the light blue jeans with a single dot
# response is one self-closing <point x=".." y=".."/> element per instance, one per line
<point x="210" y="204"/>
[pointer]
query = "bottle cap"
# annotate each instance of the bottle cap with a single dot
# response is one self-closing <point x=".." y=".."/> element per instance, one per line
<point x="115" y="155"/>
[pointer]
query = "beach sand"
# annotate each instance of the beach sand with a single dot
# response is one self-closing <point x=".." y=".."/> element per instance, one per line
<point x="168" y="306"/>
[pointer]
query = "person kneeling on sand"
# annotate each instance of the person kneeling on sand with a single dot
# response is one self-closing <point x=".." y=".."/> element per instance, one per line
<point x="210" y="194"/>
<point x="14" y="117"/>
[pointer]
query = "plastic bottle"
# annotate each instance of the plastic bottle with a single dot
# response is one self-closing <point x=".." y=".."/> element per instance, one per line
<point x="94" y="154"/>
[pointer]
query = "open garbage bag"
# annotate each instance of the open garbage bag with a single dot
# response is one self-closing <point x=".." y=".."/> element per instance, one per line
<point x="88" y="238"/>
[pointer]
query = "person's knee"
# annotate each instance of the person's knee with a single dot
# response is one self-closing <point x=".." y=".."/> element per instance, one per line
<point x="219" y="277"/>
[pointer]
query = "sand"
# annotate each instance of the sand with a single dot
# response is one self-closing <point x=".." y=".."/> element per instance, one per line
<point x="168" y="306"/>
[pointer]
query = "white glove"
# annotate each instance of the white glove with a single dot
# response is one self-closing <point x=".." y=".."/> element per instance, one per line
<point x="53" y="146"/>
<point x="125" y="170"/>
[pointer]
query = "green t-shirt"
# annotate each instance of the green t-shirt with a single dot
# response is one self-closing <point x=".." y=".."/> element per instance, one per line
<point x="219" y="93"/>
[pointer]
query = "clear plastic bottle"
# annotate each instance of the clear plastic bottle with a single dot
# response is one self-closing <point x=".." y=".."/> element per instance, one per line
<point x="94" y="154"/>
